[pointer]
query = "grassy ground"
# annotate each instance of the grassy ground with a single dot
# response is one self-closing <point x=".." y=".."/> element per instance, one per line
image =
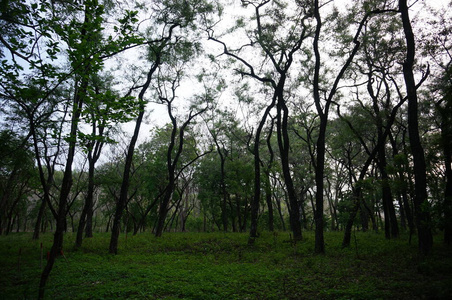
<point x="222" y="266"/>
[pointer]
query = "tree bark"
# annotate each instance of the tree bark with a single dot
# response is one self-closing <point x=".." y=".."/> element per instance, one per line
<point x="446" y="137"/>
<point x="123" y="196"/>
<point x="66" y="185"/>
<point x="268" y="200"/>
<point x="172" y="162"/>
<point x="421" y="204"/>
<point x="88" y="205"/>
<point x="257" y="174"/>
<point x="283" y="143"/>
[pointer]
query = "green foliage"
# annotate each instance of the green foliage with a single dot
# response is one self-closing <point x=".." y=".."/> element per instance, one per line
<point x="17" y="177"/>
<point x="222" y="266"/>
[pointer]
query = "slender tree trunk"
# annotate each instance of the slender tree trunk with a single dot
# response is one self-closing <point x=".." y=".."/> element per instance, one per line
<point x="89" y="201"/>
<point x="88" y="205"/>
<point x="89" y="218"/>
<point x="357" y="197"/>
<point x="38" y="223"/>
<point x="319" y="183"/>
<point x="447" y="138"/>
<point x="224" y="213"/>
<point x="66" y="185"/>
<point x="364" y="214"/>
<point x="283" y="143"/>
<point x="172" y="162"/>
<point x="448" y="194"/>
<point x="349" y="225"/>
<point x="45" y="182"/>
<point x="257" y="174"/>
<point x="123" y="196"/>
<point x="403" y="222"/>
<point x="281" y="217"/>
<point x="320" y="158"/>
<point x="163" y="209"/>
<point x="142" y="221"/>
<point x="405" y="182"/>
<point x="268" y="200"/>
<point x="421" y="204"/>
<point x="391" y="225"/>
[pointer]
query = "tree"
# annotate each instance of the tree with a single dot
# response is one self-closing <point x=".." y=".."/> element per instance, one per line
<point x="216" y="128"/>
<point x="84" y="57"/>
<point x="104" y="108"/>
<point x="169" y="17"/>
<point x="279" y="45"/>
<point x="167" y="95"/>
<point x="323" y="107"/>
<point x="377" y="74"/>
<point x="17" y="174"/>
<point x="421" y="204"/>
<point x="444" y="107"/>
<point x="30" y="85"/>
<point x="433" y="40"/>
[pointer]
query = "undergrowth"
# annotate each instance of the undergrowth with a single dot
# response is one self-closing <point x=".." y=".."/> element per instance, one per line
<point x="223" y="266"/>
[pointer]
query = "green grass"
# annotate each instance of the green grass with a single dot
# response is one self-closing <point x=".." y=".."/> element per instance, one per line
<point x="222" y="266"/>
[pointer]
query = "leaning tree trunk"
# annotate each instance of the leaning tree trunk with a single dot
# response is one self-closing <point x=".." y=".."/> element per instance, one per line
<point x="172" y="162"/>
<point x="123" y="197"/>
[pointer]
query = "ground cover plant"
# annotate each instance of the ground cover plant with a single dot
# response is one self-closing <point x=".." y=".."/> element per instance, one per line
<point x="225" y="116"/>
<point x="223" y="266"/>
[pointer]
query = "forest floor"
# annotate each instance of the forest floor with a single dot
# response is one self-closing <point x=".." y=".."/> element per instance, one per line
<point x="223" y="266"/>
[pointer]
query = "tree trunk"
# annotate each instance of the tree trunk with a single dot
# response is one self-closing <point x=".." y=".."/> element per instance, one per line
<point x="349" y="225"/>
<point x="66" y="185"/>
<point x="281" y="217"/>
<point x="88" y="203"/>
<point x="448" y="193"/>
<point x="37" y="227"/>
<point x="320" y="158"/>
<point x="123" y="196"/>
<point x="319" y="173"/>
<point x="283" y="143"/>
<point x="447" y="150"/>
<point x="391" y="225"/>
<point x="172" y="162"/>
<point x="364" y="214"/>
<point x="421" y="204"/>
<point x="224" y="214"/>
<point x="268" y="200"/>
<point x="446" y="136"/>
<point x="163" y="209"/>
<point x="257" y="174"/>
